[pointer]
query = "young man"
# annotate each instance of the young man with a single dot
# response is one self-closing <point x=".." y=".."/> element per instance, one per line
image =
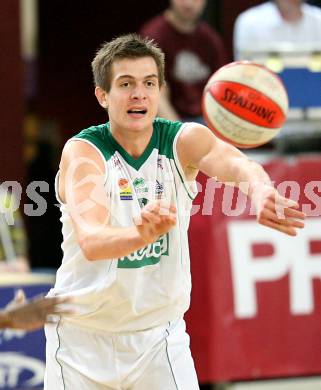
<point x="126" y="188"/>
<point x="193" y="51"/>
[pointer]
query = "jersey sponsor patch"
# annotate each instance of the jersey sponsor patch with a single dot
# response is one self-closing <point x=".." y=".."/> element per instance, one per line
<point x="142" y="202"/>
<point x="150" y="254"/>
<point x="140" y="185"/>
<point x="160" y="162"/>
<point x="116" y="163"/>
<point x="125" y="190"/>
<point x="159" y="190"/>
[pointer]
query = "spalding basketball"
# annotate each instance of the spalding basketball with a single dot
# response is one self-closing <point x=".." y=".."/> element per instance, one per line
<point x="245" y="104"/>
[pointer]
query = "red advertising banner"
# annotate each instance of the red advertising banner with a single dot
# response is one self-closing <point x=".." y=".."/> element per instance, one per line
<point x="256" y="298"/>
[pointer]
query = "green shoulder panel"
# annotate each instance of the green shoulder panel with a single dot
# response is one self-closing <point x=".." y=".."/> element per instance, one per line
<point x="97" y="136"/>
<point x="163" y="138"/>
<point x="166" y="132"/>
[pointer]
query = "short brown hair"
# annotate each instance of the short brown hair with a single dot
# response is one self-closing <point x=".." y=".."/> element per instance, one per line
<point x="125" y="46"/>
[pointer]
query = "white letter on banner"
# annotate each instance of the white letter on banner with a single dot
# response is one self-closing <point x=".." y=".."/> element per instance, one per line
<point x="291" y="254"/>
<point x="246" y="271"/>
<point x="304" y="268"/>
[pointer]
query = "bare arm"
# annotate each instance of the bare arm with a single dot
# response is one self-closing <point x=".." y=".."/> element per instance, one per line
<point x="199" y="149"/>
<point x="81" y="186"/>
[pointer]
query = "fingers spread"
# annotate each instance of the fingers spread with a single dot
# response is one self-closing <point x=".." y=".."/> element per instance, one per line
<point x="289" y="230"/>
<point x="282" y="201"/>
<point x="150" y="216"/>
<point x="156" y="212"/>
<point x="169" y="219"/>
<point x="292" y="213"/>
<point x="281" y="214"/>
<point x="281" y="220"/>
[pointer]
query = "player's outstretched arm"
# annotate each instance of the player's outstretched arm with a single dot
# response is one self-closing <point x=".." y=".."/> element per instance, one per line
<point x="81" y="187"/>
<point x="199" y="149"/>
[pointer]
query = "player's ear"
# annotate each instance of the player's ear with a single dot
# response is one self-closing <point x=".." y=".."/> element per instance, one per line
<point x="102" y="97"/>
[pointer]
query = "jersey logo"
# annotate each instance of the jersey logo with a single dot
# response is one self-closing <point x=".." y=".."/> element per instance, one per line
<point x="142" y="202"/>
<point x="150" y="254"/>
<point x="140" y="185"/>
<point x="125" y="190"/>
<point x="159" y="190"/>
<point x="160" y="162"/>
<point x="116" y="163"/>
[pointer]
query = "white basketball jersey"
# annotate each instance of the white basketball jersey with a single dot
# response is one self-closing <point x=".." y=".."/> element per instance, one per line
<point x="152" y="285"/>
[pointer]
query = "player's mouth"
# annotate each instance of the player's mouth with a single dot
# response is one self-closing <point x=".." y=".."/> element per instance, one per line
<point x="137" y="113"/>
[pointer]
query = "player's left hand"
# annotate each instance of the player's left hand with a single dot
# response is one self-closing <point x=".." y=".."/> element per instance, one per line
<point x="277" y="212"/>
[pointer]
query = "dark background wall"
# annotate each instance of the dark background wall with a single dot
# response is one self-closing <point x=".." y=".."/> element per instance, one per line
<point x="69" y="36"/>
<point x="11" y="97"/>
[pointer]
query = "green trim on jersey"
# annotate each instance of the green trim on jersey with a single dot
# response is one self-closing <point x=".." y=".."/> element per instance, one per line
<point x="134" y="162"/>
<point x="192" y="197"/>
<point x="164" y="132"/>
<point x="97" y="136"/>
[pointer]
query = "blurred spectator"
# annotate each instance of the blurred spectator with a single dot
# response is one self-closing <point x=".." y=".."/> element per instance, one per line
<point x="13" y="242"/>
<point x="288" y="24"/>
<point x="193" y="51"/>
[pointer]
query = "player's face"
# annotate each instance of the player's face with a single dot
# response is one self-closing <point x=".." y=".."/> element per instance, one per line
<point x="188" y="10"/>
<point x="134" y="94"/>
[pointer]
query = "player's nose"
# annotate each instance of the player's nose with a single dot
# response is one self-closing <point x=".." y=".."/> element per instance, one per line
<point x="139" y="92"/>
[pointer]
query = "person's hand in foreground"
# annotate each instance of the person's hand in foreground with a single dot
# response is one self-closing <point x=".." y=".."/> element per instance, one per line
<point x="31" y="315"/>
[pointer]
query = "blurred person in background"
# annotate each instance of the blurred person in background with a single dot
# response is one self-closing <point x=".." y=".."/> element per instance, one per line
<point x="193" y="51"/>
<point x="277" y="24"/>
<point x="13" y="240"/>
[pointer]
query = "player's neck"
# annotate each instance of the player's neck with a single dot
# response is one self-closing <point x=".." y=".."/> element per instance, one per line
<point x="133" y="142"/>
<point x="179" y="24"/>
<point x="290" y="13"/>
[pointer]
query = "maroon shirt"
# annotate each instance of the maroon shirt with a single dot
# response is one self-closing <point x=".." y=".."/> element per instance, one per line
<point x="191" y="58"/>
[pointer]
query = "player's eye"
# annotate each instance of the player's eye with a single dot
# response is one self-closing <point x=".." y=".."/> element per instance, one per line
<point x="125" y="84"/>
<point x="150" y="83"/>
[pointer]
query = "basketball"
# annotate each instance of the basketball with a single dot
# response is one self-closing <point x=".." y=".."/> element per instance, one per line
<point x="245" y="104"/>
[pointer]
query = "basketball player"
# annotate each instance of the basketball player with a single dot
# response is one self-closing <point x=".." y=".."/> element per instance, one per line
<point x="31" y="315"/>
<point x="126" y="188"/>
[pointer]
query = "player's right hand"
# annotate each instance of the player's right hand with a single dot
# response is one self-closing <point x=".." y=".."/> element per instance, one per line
<point x="156" y="219"/>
